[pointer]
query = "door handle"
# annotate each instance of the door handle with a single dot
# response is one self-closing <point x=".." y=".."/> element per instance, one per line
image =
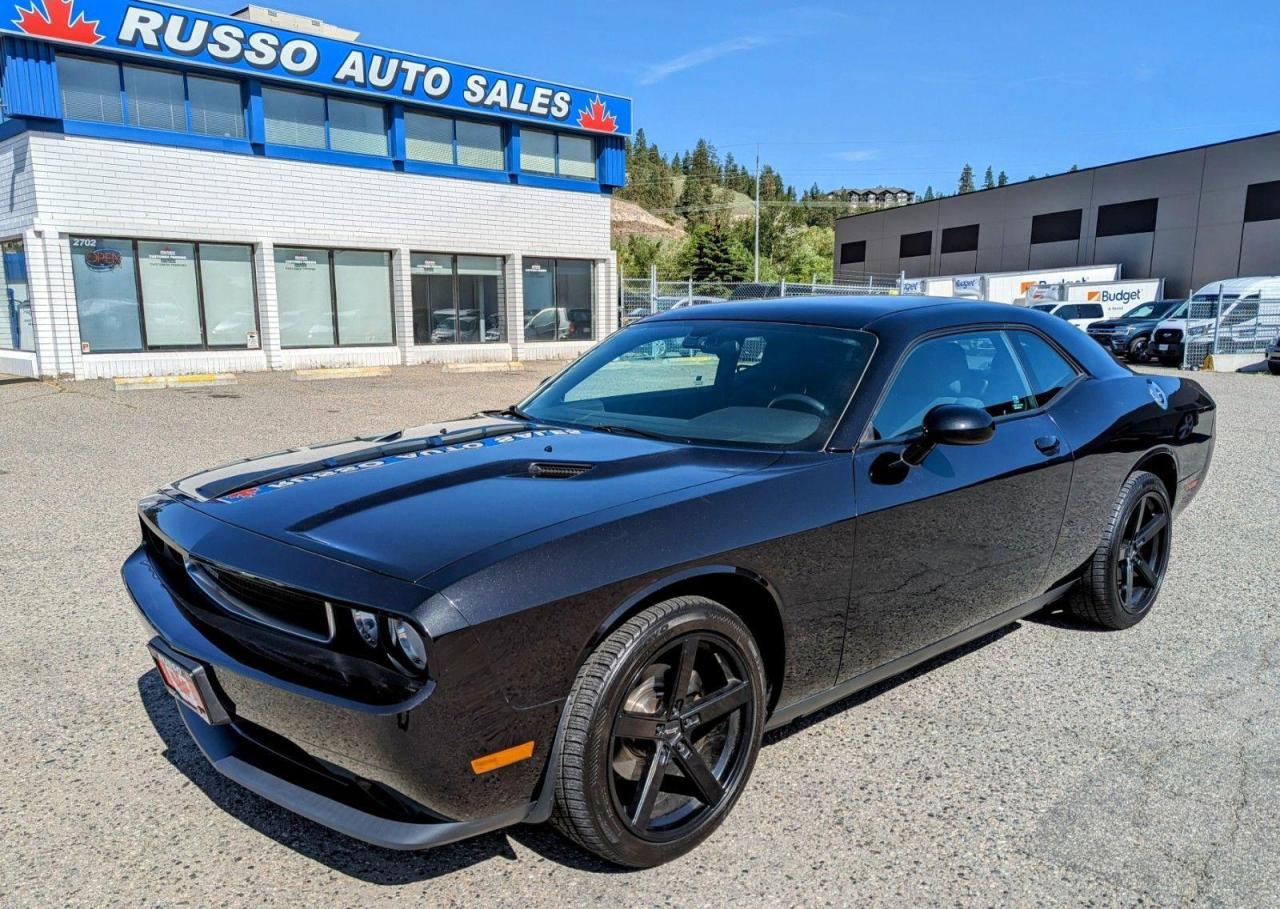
<point x="1048" y="444"/>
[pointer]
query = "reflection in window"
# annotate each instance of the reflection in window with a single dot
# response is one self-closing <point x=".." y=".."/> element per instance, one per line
<point x="16" y="330"/>
<point x="171" y="303"/>
<point x="329" y="298"/>
<point x="362" y="285"/>
<point x="304" y="295"/>
<point x="1049" y="370"/>
<point x="226" y="284"/>
<point x="456" y="299"/>
<point x="558" y="299"/>
<point x="106" y="294"/>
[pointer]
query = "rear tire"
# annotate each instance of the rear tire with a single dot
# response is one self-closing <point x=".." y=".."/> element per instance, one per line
<point x="665" y="721"/>
<point x="1124" y="576"/>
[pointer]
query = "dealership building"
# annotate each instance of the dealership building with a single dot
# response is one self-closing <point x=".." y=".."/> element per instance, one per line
<point x="1192" y="217"/>
<point x="188" y="192"/>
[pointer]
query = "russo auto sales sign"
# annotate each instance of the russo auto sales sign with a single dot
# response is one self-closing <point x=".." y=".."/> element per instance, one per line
<point x="180" y="35"/>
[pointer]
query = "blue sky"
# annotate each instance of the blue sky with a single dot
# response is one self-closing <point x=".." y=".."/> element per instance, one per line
<point x="859" y="94"/>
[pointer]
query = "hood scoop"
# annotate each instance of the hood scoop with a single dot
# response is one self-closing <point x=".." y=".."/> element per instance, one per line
<point x="557" y="470"/>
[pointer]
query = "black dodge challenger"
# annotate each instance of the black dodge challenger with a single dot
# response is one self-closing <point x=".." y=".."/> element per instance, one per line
<point x="590" y="606"/>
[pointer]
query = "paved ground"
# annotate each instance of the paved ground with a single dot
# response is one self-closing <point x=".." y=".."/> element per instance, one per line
<point x="1046" y="764"/>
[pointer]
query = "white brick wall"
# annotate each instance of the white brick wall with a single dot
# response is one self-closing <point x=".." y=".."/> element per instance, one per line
<point x="64" y="185"/>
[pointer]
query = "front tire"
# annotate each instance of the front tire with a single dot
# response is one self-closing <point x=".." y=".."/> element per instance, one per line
<point x="665" y="721"/>
<point x="1139" y="351"/>
<point x="1123" y="579"/>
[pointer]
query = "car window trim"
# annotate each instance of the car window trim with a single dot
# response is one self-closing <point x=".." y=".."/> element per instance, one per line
<point x="864" y="441"/>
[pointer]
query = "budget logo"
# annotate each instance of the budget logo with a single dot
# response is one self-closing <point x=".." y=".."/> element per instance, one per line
<point x="53" y="19"/>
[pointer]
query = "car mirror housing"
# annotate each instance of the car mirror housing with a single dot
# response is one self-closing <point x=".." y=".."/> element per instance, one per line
<point x="950" y="424"/>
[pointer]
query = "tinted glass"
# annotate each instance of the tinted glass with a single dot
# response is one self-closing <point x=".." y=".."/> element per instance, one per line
<point x="362" y="282"/>
<point x="1088" y="311"/>
<point x="428" y="138"/>
<point x="480" y="145"/>
<point x="853" y="253"/>
<point x="577" y="157"/>
<point x="1127" y="218"/>
<point x="156" y="98"/>
<point x="537" y="151"/>
<point x="573" y="298"/>
<point x="293" y="118"/>
<point x="106" y="293"/>
<point x="1153" y="310"/>
<point x="741" y="383"/>
<point x="918" y="244"/>
<point x="434" y="308"/>
<point x="170" y="302"/>
<point x="480" y="298"/>
<point x="540" y="322"/>
<point x="960" y="239"/>
<point x="357" y="127"/>
<point x="90" y="90"/>
<point x="16" y="329"/>
<point x="304" y="297"/>
<point x="1048" y="371"/>
<point x="976" y="368"/>
<point x="226" y="280"/>
<point x="1262" y="201"/>
<point x="216" y="107"/>
<point x="1054" y="227"/>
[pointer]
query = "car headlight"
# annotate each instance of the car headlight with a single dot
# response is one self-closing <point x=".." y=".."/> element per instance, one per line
<point x="409" y="642"/>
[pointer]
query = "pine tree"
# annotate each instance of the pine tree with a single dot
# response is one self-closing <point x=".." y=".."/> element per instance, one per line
<point x="1074" y="168"/>
<point x="988" y="180"/>
<point x="928" y="194"/>
<point x="965" y="184"/>
<point x="711" y="255"/>
<point x="1003" y="179"/>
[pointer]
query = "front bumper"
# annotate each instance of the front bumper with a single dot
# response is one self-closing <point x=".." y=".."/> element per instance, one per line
<point x="395" y="777"/>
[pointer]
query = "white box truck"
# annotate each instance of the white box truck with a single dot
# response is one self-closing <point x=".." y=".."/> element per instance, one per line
<point x="1013" y="287"/>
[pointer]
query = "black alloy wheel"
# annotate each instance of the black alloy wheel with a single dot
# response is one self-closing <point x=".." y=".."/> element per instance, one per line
<point x="1122" y="580"/>
<point x="664" y="727"/>
<point x="1139" y="350"/>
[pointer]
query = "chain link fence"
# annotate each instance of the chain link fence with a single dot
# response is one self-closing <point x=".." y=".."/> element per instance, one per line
<point x="1246" y="327"/>
<point x="642" y="297"/>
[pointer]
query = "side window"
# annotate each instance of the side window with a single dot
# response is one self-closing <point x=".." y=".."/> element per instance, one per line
<point x="1089" y="311"/>
<point x="1070" y="311"/>
<point x="1048" y="371"/>
<point x="976" y="368"/>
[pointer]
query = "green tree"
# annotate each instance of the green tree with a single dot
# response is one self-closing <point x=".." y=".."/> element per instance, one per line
<point x="928" y="194"/>
<point x="710" y="254"/>
<point x="988" y="179"/>
<point x="1003" y="179"/>
<point x="965" y="184"/>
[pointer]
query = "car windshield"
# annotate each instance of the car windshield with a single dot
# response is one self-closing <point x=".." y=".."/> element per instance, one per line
<point x="1156" y="309"/>
<point x="756" y="384"/>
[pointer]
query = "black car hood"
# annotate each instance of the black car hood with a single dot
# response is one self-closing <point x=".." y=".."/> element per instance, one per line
<point x="1124" y="323"/>
<point x="409" y="504"/>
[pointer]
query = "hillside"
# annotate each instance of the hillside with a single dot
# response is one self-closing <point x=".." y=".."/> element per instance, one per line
<point x="630" y="220"/>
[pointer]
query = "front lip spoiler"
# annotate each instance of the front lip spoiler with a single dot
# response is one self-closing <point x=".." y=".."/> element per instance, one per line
<point x="223" y="748"/>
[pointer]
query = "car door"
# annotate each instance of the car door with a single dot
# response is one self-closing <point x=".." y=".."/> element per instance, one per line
<point x="967" y="534"/>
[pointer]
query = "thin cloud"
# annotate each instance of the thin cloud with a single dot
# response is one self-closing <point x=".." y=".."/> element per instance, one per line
<point x="659" y="71"/>
<point x="857" y="154"/>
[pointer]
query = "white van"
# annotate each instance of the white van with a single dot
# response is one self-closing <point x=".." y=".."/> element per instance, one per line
<point x="1081" y="315"/>
<point x="1229" y="304"/>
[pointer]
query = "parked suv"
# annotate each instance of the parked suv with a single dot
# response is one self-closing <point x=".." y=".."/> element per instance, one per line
<point x="1130" y="335"/>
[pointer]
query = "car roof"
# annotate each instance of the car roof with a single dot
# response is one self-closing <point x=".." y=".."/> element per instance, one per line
<point x="1241" y="285"/>
<point x="838" y="311"/>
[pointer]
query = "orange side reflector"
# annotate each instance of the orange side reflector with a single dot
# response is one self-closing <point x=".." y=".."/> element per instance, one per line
<point x="502" y="758"/>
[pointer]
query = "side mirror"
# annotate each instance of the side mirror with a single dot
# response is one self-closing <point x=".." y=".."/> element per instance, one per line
<point x="950" y="424"/>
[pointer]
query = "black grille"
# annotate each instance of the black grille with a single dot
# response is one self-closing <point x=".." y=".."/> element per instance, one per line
<point x="550" y="470"/>
<point x="272" y="604"/>
<point x="1169" y="336"/>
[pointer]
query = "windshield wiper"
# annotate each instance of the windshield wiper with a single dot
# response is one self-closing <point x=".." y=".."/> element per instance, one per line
<point x="512" y="411"/>
<point x="633" y="431"/>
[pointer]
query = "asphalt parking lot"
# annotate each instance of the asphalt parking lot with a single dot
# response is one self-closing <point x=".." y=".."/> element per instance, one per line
<point x="1044" y="764"/>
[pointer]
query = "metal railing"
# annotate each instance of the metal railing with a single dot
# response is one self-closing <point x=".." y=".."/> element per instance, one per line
<point x="1247" y="326"/>
<point x="641" y="297"/>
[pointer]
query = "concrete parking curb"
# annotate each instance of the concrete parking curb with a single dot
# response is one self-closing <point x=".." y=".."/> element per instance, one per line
<point x="147" y="383"/>
<point x="507" y="366"/>
<point x="344" y="372"/>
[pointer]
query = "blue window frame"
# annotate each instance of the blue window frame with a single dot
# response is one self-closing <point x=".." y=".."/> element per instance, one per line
<point x="147" y="97"/>
<point x="452" y="140"/>
<point x="308" y="120"/>
<point x="557" y="154"/>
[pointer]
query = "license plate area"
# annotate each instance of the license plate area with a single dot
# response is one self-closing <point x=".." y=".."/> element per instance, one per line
<point x="189" y="683"/>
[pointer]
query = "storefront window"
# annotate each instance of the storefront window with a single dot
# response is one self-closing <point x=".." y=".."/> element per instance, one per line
<point x="456" y="299"/>
<point x="293" y="118"/>
<point x="156" y="99"/>
<point x="226" y="283"/>
<point x="557" y="154"/>
<point x="217" y="108"/>
<point x="557" y="300"/>
<point x="443" y="140"/>
<point x="157" y="295"/>
<point x="16" y="332"/>
<point x="90" y="90"/>
<point x="362" y="281"/>
<point x="357" y="127"/>
<point x="333" y="298"/>
<point x="428" y="138"/>
<point x="167" y="276"/>
<point x="480" y="145"/>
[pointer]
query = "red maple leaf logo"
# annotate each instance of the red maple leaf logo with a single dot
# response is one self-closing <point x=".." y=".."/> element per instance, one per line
<point x="597" y="117"/>
<point x="52" y="19"/>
